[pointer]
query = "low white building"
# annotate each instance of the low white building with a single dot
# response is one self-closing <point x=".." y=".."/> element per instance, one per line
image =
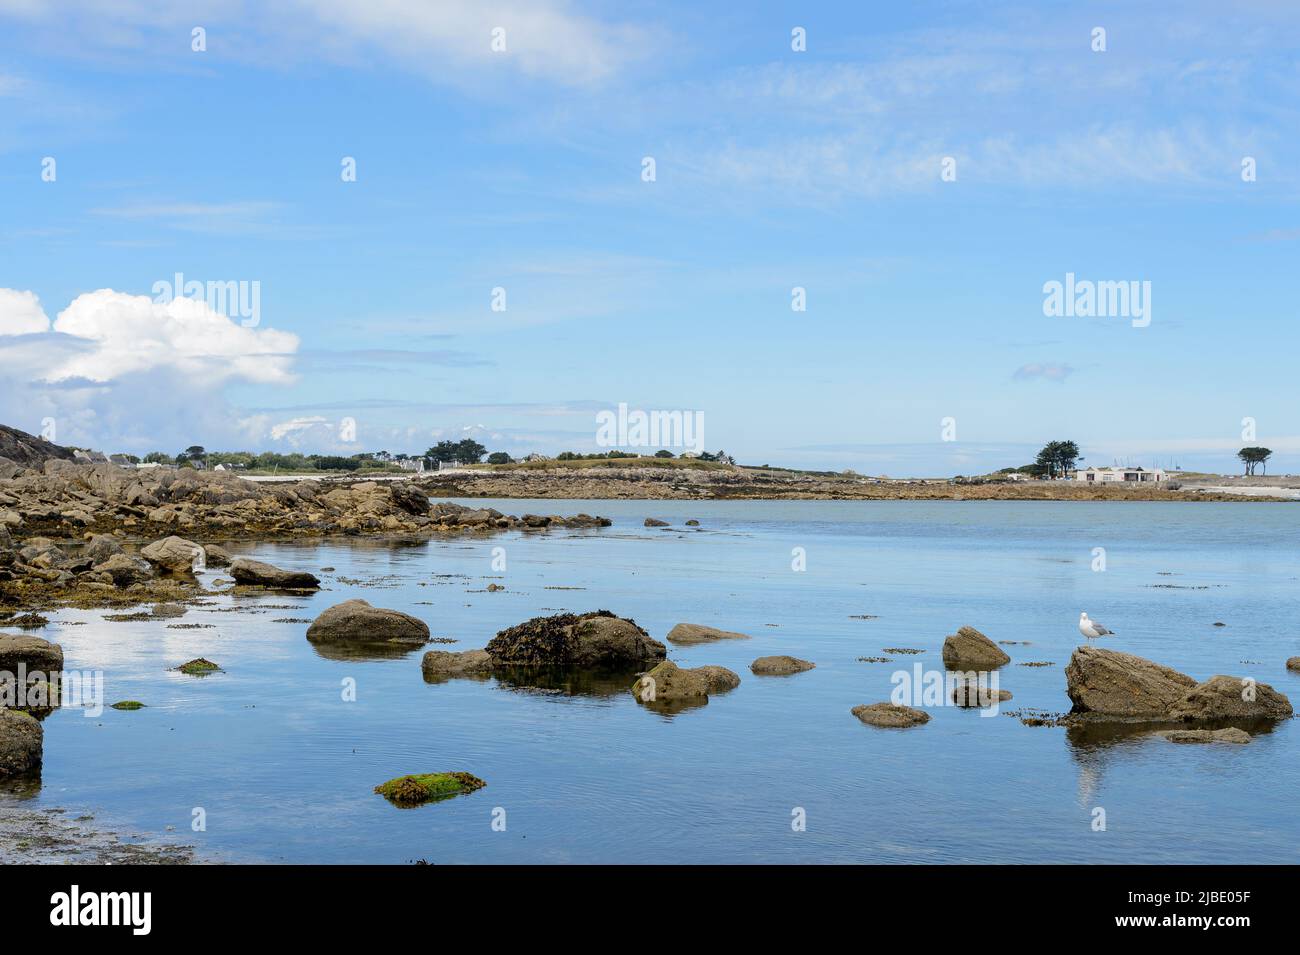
<point x="1117" y="475"/>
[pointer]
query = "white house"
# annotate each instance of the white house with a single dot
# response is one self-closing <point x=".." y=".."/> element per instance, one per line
<point x="1116" y="475"/>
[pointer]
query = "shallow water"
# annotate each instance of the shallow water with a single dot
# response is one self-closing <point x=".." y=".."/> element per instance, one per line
<point x="284" y="768"/>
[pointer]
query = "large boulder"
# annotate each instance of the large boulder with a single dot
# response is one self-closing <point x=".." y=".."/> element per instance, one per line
<point x="1231" y="698"/>
<point x="968" y="649"/>
<point x="217" y="556"/>
<point x="687" y="634"/>
<point x="596" y="639"/>
<point x="355" y="621"/>
<point x="669" y="683"/>
<point x="409" y="498"/>
<point x="32" y="652"/>
<point x="257" y="573"/>
<point x="123" y="570"/>
<point x="1110" y="683"/>
<point x="172" y="555"/>
<point x="719" y="679"/>
<point x="21" y="744"/>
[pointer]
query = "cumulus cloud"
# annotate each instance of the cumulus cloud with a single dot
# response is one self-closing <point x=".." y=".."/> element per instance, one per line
<point x="21" y="313"/>
<point x="122" y="371"/>
<point x="105" y="335"/>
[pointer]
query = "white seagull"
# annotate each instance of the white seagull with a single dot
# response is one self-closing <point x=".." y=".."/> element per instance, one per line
<point x="1091" y="628"/>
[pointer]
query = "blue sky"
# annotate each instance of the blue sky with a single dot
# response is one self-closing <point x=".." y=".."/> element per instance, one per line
<point x="774" y="169"/>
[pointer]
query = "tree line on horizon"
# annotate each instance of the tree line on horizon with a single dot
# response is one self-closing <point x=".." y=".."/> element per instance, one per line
<point x="465" y="451"/>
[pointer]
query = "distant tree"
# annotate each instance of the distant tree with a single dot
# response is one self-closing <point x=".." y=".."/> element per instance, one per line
<point x="1057" y="458"/>
<point x="469" y="451"/>
<point x="1255" y="457"/>
<point x="499" y="457"/>
<point x="157" y="457"/>
<point x="442" y="451"/>
<point x="664" y="454"/>
<point x="566" y="456"/>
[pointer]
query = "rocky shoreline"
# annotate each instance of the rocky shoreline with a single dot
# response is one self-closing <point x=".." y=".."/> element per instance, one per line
<point x="758" y="484"/>
<point x="76" y="534"/>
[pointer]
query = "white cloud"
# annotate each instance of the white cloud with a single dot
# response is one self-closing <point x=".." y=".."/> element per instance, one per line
<point x="21" y="313"/>
<point x="294" y="428"/>
<point x="445" y="40"/>
<point x="543" y="38"/>
<point x="122" y="372"/>
<point x="132" y="333"/>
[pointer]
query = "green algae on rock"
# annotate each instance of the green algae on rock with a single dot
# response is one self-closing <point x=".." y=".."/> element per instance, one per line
<point x="127" y="705"/>
<point x="416" y="790"/>
<point x="199" y="667"/>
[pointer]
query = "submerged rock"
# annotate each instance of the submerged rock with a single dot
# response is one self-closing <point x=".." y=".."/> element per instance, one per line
<point x="441" y="665"/>
<point x="596" y="639"/>
<point x="890" y="715"/>
<point x="655" y="522"/>
<point x="969" y="693"/>
<point x="127" y="705"/>
<point x="691" y="633"/>
<point x="172" y="555"/>
<point x="257" y="573"/>
<point x="1229" y="735"/>
<point x="1293" y="663"/>
<point x="780" y="666"/>
<point x="968" y="649"/>
<point x="199" y="667"/>
<point x="355" y="621"/>
<point x="419" y="789"/>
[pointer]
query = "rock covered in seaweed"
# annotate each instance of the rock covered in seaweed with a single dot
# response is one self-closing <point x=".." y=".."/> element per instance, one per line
<point x="595" y="639"/>
<point x="420" y="788"/>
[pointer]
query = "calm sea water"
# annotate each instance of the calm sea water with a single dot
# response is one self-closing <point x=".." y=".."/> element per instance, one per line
<point x="284" y="767"/>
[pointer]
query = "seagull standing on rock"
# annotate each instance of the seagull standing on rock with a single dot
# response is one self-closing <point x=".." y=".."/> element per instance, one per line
<point x="1091" y="628"/>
